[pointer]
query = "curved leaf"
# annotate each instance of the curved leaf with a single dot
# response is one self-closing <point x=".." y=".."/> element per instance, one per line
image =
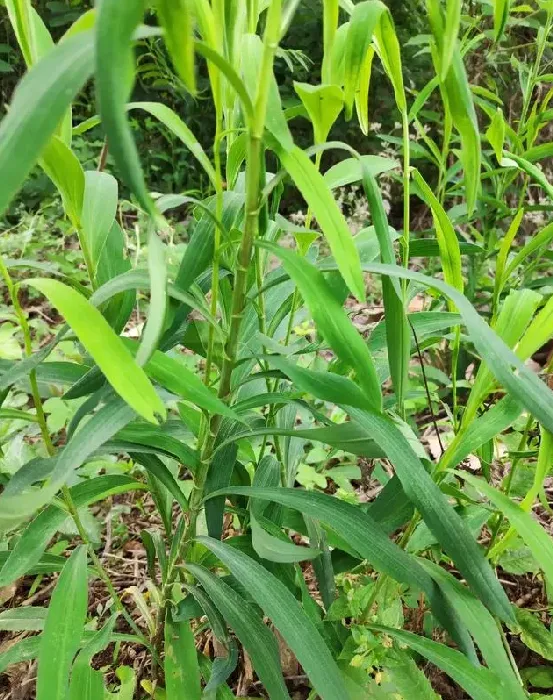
<point x="288" y="617"/>
<point x="106" y="348"/>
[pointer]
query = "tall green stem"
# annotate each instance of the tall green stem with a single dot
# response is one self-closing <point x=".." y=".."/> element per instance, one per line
<point x="244" y="256"/>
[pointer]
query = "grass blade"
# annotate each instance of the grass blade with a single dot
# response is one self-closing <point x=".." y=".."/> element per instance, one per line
<point x="106" y="348"/>
<point x="38" y="105"/>
<point x="533" y="534"/>
<point x="444" y="522"/>
<point x="62" y="631"/>
<point x="288" y="617"/>
<point x="115" y="27"/>
<point x="256" y="638"/>
<point x="479" y="682"/>
<point x="316" y="193"/>
<point x="365" y="536"/>
<point x="182" y="673"/>
<point x="331" y="320"/>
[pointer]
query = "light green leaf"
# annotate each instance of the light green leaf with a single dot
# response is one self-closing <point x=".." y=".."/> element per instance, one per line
<point x="511" y="160"/>
<point x="62" y="167"/>
<point x="316" y="193"/>
<point x="62" y="631"/>
<point x="29" y="619"/>
<point x="501" y="10"/>
<point x="533" y="534"/>
<point x="155" y="323"/>
<point x="390" y="54"/>
<point x="323" y="104"/>
<point x="175" y="376"/>
<point x="332" y="320"/>
<point x="362" y="94"/>
<point x="182" y="673"/>
<point x="38" y="105"/>
<point x="362" y="24"/>
<point x="86" y="682"/>
<point x="115" y="27"/>
<point x="450" y="253"/>
<point x="458" y="99"/>
<point x="175" y="124"/>
<point x="177" y="19"/>
<point x="98" y="212"/>
<point x="351" y="170"/>
<point x="276" y="547"/>
<point x="106" y="348"/>
<point x="398" y="333"/>
<point x="533" y="633"/>
<point x="496" y="133"/>
<point x="478" y="681"/>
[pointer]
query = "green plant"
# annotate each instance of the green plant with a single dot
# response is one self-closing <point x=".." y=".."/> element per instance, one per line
<point x="214" y="432"/>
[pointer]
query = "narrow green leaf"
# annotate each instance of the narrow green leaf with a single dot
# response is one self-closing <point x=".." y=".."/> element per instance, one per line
<point x="450" y="253"/>
<point x="496" y="133"/>
<point x="540" y="240"/>
<point x="98" y="212"/>
<point x="182" y="673"/>
<point x="62" y="167"/>
<point x="62" y="632"/>
<point x="276" y="547"/>
<point x="481" y="625"/>
<point x="256" y="638"/>
<point x="362" y="94"/>
<point x="365" y="536"/>
<point x="108" y="351"/>
<point x="157" y="469"/>
<point x="362" y="24"/>
<point x="29" y="619"/>
<point x="479" y="682"/>
<point x="175" y="124"/>
<point x="451" y="33"/>
<point x="86" y="682"/>
<point x="523" y="384"/>
<point x="177" y="19"/>
<point x="398" y="333"/>
<point x="389" y="52"/>
<point x="323" y="385"/>
<point x="331" y="320"/>
<point x="533" y="534"/>
<point x="444" y="522"/>
<point x="512" y="160"/>
<point x="538" y="332"/>
<point x="351" y="170"/>
<point x="38" y="105"/>
<point x="155" y="322"/>
<point x="481" y="430"/>
<point x="295" y="626"/>
<point x="458" y="99"/>
<point x="323" y="103"/>
<point x="28" y="549"/>
<point x="501" y="10"/>
<point x="316" y="193"/>
<point x="173" y="374"/>
<point x="115" y="27"/>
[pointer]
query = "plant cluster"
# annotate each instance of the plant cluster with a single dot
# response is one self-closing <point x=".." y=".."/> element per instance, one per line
<point x="228" y="385"/>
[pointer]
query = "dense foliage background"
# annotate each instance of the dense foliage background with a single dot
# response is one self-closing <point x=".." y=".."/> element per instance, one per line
<point x="276" y="349"/>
